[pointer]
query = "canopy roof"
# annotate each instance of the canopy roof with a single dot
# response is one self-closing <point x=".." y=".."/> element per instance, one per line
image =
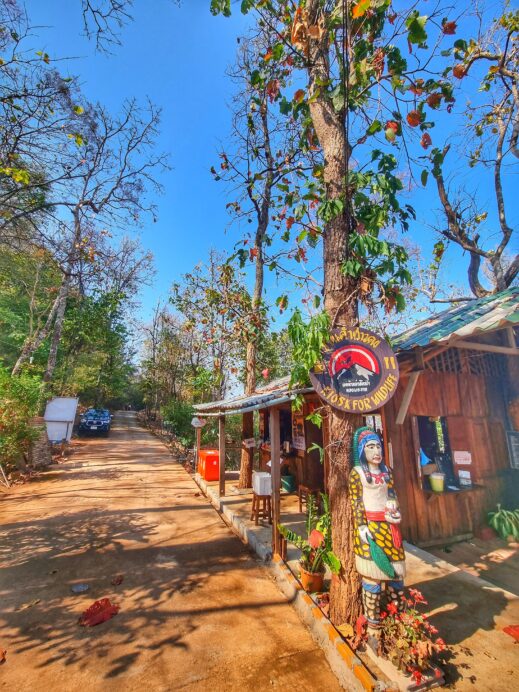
<point x="464" y="320"/>
<point x="271" y="394"/>
<point x="470" y="318"/>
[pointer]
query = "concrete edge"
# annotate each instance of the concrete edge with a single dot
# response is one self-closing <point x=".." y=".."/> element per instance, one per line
<point x="348" y="668"/>
<point x="434" y="561"/>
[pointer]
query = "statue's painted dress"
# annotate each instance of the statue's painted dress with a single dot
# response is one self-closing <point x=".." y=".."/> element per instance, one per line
<point x="369" y="502"/>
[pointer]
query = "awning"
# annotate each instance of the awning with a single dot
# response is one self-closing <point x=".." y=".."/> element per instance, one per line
<point x="273" y="394"/>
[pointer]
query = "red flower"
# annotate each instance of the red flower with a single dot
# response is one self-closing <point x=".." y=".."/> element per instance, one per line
<point x="417" y="596"/>
<point x="316" y="539"/>
<point x="417" y="676"/>
<point x="392" y="608"/>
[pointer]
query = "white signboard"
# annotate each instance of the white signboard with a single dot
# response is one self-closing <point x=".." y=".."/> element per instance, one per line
<point x="249" y="443"/>
<point x="62" y="409"/>
<point x="463" y="458"/>
<point x="59" y="418"/>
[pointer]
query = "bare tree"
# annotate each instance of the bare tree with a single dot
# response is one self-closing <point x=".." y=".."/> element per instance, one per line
<point x="493" y="130"/>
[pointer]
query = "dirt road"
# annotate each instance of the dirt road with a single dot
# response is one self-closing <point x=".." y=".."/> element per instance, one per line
<point x="197" y="611"/>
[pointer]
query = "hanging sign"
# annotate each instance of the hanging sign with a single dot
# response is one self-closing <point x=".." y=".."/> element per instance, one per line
<point x="358" y="372"/>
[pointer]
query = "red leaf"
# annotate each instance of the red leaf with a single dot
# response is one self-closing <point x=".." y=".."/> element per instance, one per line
<point x="299" y="95"/>
<point x="459" y="71"/>
<point x="434" y="100"/>
<point x="449" y="28"/>
<point x="513" y="631"/>
<point x="414" y="118"/>
<point x="426" y="140"/>
<point x="100" y="611"/>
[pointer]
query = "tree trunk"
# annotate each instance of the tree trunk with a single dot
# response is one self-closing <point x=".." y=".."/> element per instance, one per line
<point x="341" y="305"/>
<point x="58" y="327"/>
<point x="247" y="454"/>
<point x="247" y="431"/>
<point x="340" y="302"/>
<point x="32" y="344"/>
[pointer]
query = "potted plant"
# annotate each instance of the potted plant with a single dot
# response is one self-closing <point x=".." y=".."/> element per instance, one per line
<point x="409" y="640"/>
<point x="316" y="549"/>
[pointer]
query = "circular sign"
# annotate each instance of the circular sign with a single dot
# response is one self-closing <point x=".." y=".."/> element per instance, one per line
<point x="358" y="372"/>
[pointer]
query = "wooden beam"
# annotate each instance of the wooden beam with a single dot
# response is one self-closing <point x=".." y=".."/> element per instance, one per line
<point x="221" y="449"/>
<point x="275" y="471"/>
<point x="197" y="448"/>
<point x="510" y="334"/>
<point x="408" y="395"/>
<point x="489" y="348"/>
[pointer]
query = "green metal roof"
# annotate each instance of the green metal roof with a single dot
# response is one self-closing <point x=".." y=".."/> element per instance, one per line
<point x="464" y="320"/>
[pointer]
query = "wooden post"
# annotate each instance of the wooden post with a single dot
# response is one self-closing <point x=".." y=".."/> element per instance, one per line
<point x="408" y="395"/>
<point x="197" y="450"/>
<point x="221" y="448"/>
<point x="275" y="471"/>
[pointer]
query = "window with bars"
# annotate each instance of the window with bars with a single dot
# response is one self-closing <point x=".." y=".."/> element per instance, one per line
<point x="474" y="362"/>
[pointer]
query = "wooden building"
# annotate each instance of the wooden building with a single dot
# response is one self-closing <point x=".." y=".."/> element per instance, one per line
<point x="454" y="412"/>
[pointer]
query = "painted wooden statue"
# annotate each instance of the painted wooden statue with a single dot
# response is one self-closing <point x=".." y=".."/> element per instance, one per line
<point x="379" y="553"/>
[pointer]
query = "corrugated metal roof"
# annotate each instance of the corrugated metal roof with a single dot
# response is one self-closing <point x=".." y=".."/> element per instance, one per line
<point x="464" y="320"/>
<point x="261" y="398"/>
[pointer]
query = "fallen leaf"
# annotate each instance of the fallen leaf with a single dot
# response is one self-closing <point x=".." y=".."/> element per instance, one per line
<point x="3" y="655"/>
<point x="345" y="630"/>
<point x="100" y="611"/>
<point x="118" y="579"/>
<point x="29" y="605"/>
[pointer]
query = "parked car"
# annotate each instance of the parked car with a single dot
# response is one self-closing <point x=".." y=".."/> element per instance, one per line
<point x="95" y="420"/>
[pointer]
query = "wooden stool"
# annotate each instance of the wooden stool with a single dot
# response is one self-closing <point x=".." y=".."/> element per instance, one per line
<point x="261" y="507"/>
<point x="303" y="492"/>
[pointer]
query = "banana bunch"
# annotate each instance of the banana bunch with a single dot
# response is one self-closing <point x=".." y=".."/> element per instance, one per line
<point x="505" y="522"/>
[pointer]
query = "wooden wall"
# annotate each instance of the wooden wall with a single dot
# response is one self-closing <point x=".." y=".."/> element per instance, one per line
<point x="474" y="408"/>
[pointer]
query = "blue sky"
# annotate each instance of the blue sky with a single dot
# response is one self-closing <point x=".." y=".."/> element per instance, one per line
<point x="178" y="56"/>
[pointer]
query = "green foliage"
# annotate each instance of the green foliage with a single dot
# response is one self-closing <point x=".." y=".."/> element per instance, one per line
<point x="307" y="340"/>
<point x="316" y="549"/>
<point x="178" y="415"/>
<point x="19" y="398"/>
<point x="505" y="522"/>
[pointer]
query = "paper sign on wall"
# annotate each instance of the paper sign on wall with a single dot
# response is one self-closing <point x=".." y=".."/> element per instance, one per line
<point x="465" y="478"/>
<point x="249" y="443"/>
<point x="463" y="458"/>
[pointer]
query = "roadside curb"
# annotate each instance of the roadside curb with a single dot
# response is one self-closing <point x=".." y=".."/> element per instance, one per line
<point x="348" y="668"/>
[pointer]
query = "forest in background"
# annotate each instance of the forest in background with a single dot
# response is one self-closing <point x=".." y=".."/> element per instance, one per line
<point x="76" y="182"/>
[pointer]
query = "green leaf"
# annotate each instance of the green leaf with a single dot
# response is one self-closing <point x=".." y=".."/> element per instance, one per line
<point x="424" y="176"/>
<point x="255" y="78"/>
<point x="78" y="110"/>
<point x="416" y="28"/>
<point x="375" y="127"/>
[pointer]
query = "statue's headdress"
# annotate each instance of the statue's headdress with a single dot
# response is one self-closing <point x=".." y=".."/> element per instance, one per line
<point x="360" y="439"/>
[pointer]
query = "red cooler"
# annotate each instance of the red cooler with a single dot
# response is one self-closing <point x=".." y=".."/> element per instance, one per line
<point x="209" y="464"/>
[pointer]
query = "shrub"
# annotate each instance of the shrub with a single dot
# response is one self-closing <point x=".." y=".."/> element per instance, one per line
<point x="178" y="415"/>
<point x="19" y="398"/>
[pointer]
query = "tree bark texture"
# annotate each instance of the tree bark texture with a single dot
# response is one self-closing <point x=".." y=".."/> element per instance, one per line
<point x="58" y="327"/>
<point x="247" y="454"/>
<point x="340" y="302"/>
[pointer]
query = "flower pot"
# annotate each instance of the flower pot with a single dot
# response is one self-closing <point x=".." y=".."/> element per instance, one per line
<point x="311" y="581"/>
